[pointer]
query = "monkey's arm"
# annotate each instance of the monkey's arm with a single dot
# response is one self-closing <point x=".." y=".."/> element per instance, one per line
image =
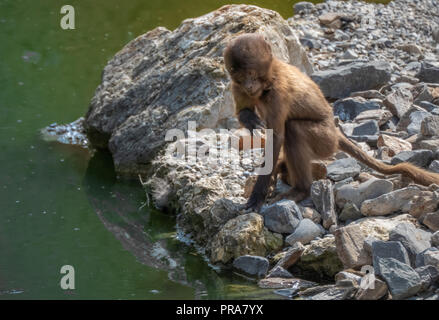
<point x="245" y="110"/>
<point x="261" y="187"/>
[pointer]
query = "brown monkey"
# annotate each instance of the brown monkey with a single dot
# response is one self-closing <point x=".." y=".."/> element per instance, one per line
<point x="273" y="94"/>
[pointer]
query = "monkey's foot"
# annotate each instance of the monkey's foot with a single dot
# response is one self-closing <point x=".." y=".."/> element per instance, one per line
<point x="292" y="194"/>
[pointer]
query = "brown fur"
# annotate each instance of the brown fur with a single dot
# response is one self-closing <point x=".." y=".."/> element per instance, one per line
<point x="269" y="91"/>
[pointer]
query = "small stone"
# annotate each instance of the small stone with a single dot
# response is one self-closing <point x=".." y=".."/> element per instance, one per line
<point x="413" y="239"/>
<point x="303" y="6"/>
<point x="420" y="158"/>
<point x="291" y="256"/>
<point x="335" y="293"/>
<point x="403" y="281"/>
<point x="410" y="48"/>
<point x="323" y="199"/>
<point x="369" y="94"/>
<point x="350" y="212"/>
<point x="346" y="275"/>
<point x="329" y="18"/>
<point x="395" y="145"/>
<point x="375" y="292"/>
<point x="389" y="249"/>
<point x="252" y="265"/>
<point x="427" y="257"/>
<point x="428" y="274"/>
<point x="350" y="54"/>
<point x="412" y="119"/>
<point x="435" y="239"/>
<point x="399" y="102"/>
<point x="279" y="272"/>
<point x="349" y="108"/>
<point x="285" y="283"/>
<point x="343" y="168"/>
<point x="282" y="216"/>
<point x="431" y="220"/>
<point x="304" y="232"/>
<point x="429" y="72"/>
<point x="430" y="126"/>
<point x="366" y="128"/>
<point x="312" y="214"/>
<point x="379" y="115"/>
<point x="370" y="189"/>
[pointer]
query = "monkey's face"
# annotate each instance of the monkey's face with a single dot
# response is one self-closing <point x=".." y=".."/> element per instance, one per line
<point x="252" y="82"/>
<point x="248" y="60"/>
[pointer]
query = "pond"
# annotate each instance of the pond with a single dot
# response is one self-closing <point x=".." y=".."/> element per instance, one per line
<point x="58" y="204"/>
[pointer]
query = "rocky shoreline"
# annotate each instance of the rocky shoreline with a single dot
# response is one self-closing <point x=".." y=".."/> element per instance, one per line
<point x="379" y="67"/>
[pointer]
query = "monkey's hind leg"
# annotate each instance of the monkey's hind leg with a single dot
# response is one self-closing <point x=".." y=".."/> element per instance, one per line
<point x="298" y="162"/>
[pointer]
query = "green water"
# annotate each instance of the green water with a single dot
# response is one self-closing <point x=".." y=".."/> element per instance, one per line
<point x="60" y="206"/>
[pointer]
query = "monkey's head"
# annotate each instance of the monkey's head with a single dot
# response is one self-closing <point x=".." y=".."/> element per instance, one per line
<point x="248" y="60"/>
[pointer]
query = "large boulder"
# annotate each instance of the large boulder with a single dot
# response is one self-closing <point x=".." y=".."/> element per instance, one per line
<point x="143" y="85"/>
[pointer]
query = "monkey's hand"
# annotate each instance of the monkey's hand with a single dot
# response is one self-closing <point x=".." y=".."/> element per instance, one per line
<point x="255" y="202"/>
<point x="250" y="120"/>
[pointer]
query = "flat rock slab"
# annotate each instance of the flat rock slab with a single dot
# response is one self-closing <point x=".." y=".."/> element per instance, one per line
<point x="342" y="81"/>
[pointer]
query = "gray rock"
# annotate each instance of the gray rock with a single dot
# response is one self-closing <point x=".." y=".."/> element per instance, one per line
<point x="389" y="249"/>
<point x="399" y="101"/>
<point x="420" y="158"/>
<point x="350" y="54"/>
<point x="413" y="239"/>
<point x="369" y="189"/>
<point x="163" y="79"/>
<point x="349" y="108"/>
<point x="428" y="106"/>
<point x="429" y="275"/>
<point x="350" y="212"/>
<point x="435" y="34"/>
<point x="343" y="168"/>
<point x="403" y="281"/>
<point x="434" y="166"/>
<point x="435" y="239"/>
<point x="335" y="293"/>
<point x="431" y="220"/>
<point x="412" y="119"/>
<point x="369" y="94"/>
<point x="279" y="272"/>
<point x="303" y="6"/>
<point x="430" y="126"/>
<point x="323" y="199"/>
<point x="422" y="93"/>
<point x="427" y="257"/>
<point x="342" y="81"/>
<point x="429" y="72"/>
<point x="416" y="119"/>
<point x="304" y="232"/>
<point x="366" y="128"/>
<point x="252" y="265"/>
<point x="380" y="115"/>
<point x="404" y="200"/>
<point x="282" y="216"/>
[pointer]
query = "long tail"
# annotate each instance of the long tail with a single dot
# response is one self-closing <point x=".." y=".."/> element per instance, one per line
<point x="409" y="170"/>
